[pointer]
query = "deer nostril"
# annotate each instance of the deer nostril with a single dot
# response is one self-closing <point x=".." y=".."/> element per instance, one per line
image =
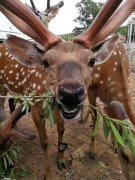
<point x="80" y="91"/>
<point x="62" y="91"/>
<point x="71" y="96"/>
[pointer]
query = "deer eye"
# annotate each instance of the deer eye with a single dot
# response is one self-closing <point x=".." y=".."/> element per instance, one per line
<point x="92" y="62"/>
<point x="45" y="63"/>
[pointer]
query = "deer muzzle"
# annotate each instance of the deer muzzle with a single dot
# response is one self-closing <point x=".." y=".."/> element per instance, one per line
<point x="71" y="98"/>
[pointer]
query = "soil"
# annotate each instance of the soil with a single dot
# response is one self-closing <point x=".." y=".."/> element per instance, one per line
<point x="106" y="166"/>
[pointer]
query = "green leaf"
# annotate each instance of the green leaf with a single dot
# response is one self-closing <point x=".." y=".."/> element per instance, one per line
<point x="106" y="127"/>
<point x="51" y="118"/>
<point x="131" y="142"/>
<point x="5" y="163"/>
<point x="86" y="118"/>
<point x="97" y="125"/>
<point x="117" y="135"/>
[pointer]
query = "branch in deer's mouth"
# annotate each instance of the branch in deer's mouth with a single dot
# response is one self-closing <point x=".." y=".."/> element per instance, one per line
<point x="67" y="113"/>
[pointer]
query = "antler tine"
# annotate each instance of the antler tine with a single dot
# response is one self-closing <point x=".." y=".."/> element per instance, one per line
<point x="108" y="9"/>
<point x="50" y="8"/>
<point x="48" y="4"/>
<point x="23" y="12"/>
<point x="121" y="14"/>
<point x="20" y="24"/>
<point x="34" y="7"/>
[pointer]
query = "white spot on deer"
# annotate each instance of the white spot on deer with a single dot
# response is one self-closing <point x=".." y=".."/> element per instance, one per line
<point x="128" y="91"/>
<point x="98" y="68"/>
<point x="23" y="73"/>
<point x="40" y="75"/>
<point x="15" y="86"/>
<point x="6" y="53"/>
<point x="0" y="55"/>
<point x="44" y="82"/>
<point x="34" y="85"/>
<point x="2" y="71"/>
<point x="33" y="71"/>
<point x="22" y="69"/>
<point x="112" y="83"/>
<point x="36" y="74"/>
<point x="11" y="82"/>
<point x="39" y="87"/>
<point x="9" y="55"/>
<point x="6" y="67"/>
<point x="120" y="52"/>
<point x="10" y="72"/>
<point x="19" y="84"/>
<point x="12" y="58"/>
<point x="101" y="82"/>
<point x="112" y="89"/>
<point x="17" y="74"/>
<point x="17" y="77"/>
<point x="114" y="53"/>
<point x="116" y="63"/>
<point x="7" y="78"/>
<point x="17" y="65"/>
<point x="119" y="95"/>
<point x="97" y="75"/>
<point x="28" y="75"/>
<point x="114" y="69"/>
<point x="25" y="79"/>
<point x="109" y="79"/>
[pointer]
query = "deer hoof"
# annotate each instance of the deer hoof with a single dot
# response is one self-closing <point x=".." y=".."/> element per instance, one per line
<point x="92" y="155"/>
<point x="63" y="164"/>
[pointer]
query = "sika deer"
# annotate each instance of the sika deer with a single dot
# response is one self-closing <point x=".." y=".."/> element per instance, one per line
<point x="67" y="68"/>
<point x="46" y="16"/>
<point x="126" y="157"/>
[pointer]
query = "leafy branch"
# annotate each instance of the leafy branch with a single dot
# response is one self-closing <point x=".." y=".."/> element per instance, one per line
<point x="122" y="131"/>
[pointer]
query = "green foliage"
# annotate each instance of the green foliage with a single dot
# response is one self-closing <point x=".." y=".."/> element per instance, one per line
<point x="7" y="165"/>
<point x="123" y="30"/>
<point x="48" y="108"/>
<point x="87" y="10"/>
<point x="122" y="132"/>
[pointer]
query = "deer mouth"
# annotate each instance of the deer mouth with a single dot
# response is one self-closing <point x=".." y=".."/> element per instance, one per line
<point x="70" y="113"/>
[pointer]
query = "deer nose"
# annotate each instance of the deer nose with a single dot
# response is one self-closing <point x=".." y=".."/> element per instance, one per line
<point x="71" y="96"/>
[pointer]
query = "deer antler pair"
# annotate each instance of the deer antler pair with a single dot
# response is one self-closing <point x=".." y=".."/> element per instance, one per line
<point x="99" y="30"/>
<point x="39" y="33"/>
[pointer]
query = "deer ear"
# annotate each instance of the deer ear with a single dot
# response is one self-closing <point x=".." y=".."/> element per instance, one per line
<point x="106" y="50"/>
<point x="24" y="51"/>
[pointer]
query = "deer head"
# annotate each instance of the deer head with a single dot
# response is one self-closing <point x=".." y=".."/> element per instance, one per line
<point x="49" y="13"/>
<point x="68" y="66"/>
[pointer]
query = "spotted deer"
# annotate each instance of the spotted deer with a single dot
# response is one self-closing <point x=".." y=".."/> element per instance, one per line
<point x="126" y="157"/>
<point x="72" y="70"/>
<point x="46" y="16"/>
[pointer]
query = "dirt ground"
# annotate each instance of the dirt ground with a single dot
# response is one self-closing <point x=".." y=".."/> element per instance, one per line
<point x="105" y="167"/>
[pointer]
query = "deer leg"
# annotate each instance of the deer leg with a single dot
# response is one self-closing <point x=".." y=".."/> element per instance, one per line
<point x="3" y="92"/>
<point x="60" y="154"/>
<point x="11" y="105"/>
<point x="92" y="101"/>
<point x="4" y="143"/>
<point x="40" y="125"/>
<point x="9" y="128"/>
